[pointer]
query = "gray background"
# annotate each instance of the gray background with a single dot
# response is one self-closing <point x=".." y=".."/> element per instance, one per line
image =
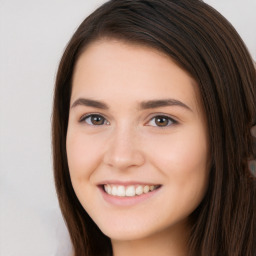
<point x="33" y="34"/>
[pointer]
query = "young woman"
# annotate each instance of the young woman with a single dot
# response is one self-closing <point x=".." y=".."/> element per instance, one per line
<point x="154" y="103"/>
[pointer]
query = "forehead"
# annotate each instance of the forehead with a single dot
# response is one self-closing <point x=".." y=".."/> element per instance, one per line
<point x="113" y="68"/>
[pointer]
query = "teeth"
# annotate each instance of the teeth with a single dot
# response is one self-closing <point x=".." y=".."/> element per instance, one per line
<point x="108" y="189"/>
<point x="121" y="191"/>
<point x="146" y="189"/>
<point x="114" y="191"/>
<point x="139" y="190"/>
<point x="129" y="191"/>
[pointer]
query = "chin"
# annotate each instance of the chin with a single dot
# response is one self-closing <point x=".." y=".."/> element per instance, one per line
<point x="131" y="230"/>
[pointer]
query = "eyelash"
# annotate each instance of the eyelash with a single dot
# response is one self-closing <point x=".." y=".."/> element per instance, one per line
<point x="84" y="118"/>
<point x="170" y="120"/>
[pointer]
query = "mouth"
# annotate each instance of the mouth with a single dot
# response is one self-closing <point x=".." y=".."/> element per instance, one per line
<point x="129" y="190"/>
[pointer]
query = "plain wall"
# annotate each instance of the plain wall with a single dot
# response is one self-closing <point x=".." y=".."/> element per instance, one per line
<point x="33" y="35"/>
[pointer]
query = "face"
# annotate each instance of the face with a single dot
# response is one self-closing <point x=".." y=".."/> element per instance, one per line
<point x="137" y="143"/>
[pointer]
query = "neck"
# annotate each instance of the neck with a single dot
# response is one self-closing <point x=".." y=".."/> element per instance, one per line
<point x="167" y="242"/>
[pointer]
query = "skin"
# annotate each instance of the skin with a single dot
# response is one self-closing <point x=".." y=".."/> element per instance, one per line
<point x="130" y="145"/>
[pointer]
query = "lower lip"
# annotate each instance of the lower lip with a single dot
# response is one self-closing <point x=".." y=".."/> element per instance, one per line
<point x="128" y="201"/>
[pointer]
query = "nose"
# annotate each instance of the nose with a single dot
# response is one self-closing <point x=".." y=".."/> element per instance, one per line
<point x="124" y="150"/>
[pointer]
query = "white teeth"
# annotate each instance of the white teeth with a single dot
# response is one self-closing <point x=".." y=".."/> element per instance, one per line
<point x="114" y="191"/>
<point x="139" y="190"/>
<point x="129" y="191"/>
<point x="146" y="189"/>
<point x="121" y="191"/>
<point x="108" y="189"/>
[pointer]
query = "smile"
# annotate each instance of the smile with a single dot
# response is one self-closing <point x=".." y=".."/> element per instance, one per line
<point x="129" y="191"/>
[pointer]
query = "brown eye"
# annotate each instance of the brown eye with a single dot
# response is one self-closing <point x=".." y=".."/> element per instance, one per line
<point x="94" y="120"/>
<point x="161" y="121"/>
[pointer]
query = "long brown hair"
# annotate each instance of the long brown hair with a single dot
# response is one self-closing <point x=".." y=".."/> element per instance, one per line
<point x="205" y="44"/>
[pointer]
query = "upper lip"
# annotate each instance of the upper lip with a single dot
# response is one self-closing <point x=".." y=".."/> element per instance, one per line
<point x="126" y="183"/>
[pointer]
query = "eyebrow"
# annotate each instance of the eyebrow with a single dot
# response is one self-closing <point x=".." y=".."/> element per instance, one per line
<point x="143" y="105"/>
<point x="89" y="103"/>
<point x="163" y="103"/>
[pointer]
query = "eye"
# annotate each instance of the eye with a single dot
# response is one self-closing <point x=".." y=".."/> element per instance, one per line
<point x="161" y="121"/>
<point x="94" y="119"/>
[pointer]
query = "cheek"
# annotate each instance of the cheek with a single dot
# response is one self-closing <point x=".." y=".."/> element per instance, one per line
<point x="183" y="159"/>
<point x="184" y="150"/>
<point x="82" y="154"/>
